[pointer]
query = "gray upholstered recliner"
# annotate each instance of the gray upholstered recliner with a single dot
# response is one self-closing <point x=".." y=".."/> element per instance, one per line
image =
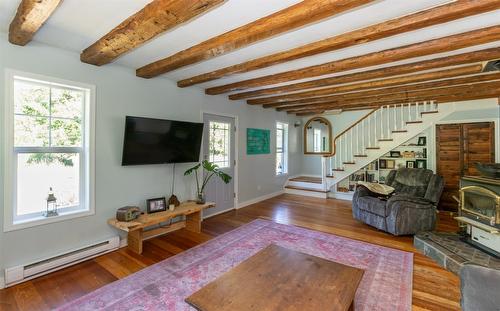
<point x="411" y="209"/>
<point x="479" y="288"/>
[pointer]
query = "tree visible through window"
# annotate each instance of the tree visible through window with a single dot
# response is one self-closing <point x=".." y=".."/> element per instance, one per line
<point x="281" y="148"/>
<point x="219" y="142"/>
<point x="48" y="147"/>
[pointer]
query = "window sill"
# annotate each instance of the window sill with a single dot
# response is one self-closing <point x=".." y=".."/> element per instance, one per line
<point x="41" y="220"/>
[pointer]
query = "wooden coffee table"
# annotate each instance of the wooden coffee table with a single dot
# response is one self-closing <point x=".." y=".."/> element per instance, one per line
<point x="277" y="278"/>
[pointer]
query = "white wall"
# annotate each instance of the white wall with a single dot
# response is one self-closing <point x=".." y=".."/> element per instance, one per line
<point x="120" y="93"/>
<point x="311" y="164"/>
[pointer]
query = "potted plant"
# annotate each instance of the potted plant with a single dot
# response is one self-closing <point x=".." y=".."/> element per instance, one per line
<point x="211" y="169"/>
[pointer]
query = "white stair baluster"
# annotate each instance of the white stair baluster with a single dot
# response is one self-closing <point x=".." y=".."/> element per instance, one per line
<point x="375" y="125"/>
<point x="357" y="140"/>
<point x="369" y="131"/>
<point x="395" y="117"/>
<point x="409" y="111"/>
<point x="352" y="150"/>
<point x="402" y="117"/>
<point x="363" y="134"/>
<point x="382" y="122"/>
<point x="340" y="152"/>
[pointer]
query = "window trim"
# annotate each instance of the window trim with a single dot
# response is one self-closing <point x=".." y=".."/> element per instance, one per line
<point x="284" y="147"/>
<point x="88" y="149"/>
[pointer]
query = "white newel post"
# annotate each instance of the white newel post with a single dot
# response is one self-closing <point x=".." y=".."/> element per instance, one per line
<point x="323" y="175"/>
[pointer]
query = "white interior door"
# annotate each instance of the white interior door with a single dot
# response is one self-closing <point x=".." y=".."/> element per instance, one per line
<point x="219" y="148"/>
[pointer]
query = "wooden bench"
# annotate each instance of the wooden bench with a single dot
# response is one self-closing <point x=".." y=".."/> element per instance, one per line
<point x="140" y="229"/>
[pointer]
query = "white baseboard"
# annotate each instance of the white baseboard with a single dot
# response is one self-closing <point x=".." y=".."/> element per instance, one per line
<point x="218" y="213"/>
<point x="341" y="196"/>
<point x="321" y="195"/>
<point x="259" y="199"/>
<point x="123" y="242"/>
<point x="2" y="282"/>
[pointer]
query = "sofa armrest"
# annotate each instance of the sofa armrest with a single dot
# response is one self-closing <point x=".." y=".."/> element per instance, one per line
<point x="480" y="288"/>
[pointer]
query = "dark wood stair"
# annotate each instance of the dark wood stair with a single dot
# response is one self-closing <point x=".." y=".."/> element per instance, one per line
<point x="307" y="179"/>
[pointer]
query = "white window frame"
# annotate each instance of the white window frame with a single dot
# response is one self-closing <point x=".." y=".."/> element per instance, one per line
<point x="284" y="140"/>
<point x="87" y="170"/>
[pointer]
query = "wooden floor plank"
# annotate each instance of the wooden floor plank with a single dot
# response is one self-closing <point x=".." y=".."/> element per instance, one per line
<point x="434" y="288"/>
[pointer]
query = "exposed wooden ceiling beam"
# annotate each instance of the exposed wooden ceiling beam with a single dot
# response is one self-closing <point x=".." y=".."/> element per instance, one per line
<point x="401" y="90"/>
<point x="155" y="18"/>
<point x="30" y="16"/>
<point x="300" y="14"/>
<point x="433" y="16"/>
<point x="459" y="59"/>
<point x="392" y="90"/>
<point x="411" y="96"/>
<point x="457" y="97"/>
<point x="440" y="45"/>
<point x="427" y="76"/>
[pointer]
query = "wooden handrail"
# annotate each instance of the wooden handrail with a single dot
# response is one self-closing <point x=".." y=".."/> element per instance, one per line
<point x="334" y="151"/>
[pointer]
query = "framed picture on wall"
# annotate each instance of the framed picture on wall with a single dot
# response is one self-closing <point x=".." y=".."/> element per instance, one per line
<point x="383" y="163"/>
<point x="421" y="163"/>
<point x="410" y="164"/>
<point x="391" y="164"/>
<point x="422" y="141"/>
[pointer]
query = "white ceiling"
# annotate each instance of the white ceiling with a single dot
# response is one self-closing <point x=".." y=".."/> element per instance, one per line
<point x="77" y="24"/>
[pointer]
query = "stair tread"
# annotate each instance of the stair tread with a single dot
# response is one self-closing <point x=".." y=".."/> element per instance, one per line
<point x="306" y="189"/>
<point x="427" y="112"/>
<point x="349" y="162"/>
<point x="338" y="169"/>
<point x="413" y="122"/>
<point x="386" y="139"/>
<point x="307" y="179"/>
<point x="361" y="155"/>
<point x="400" y="131"/>
<point x="372" y="148"/>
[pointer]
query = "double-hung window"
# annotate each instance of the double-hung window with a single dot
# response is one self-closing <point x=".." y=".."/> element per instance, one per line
<point x="281" y="148"/>
<point x="49" y="150"/>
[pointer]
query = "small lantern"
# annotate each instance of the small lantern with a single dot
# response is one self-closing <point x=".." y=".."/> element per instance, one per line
<point x="51" y="205"/>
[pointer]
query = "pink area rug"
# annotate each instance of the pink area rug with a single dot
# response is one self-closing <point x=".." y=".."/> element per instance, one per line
<point x="386" y="284"/>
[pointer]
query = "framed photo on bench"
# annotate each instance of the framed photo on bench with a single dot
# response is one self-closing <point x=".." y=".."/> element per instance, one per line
<point x="156" y="205"/>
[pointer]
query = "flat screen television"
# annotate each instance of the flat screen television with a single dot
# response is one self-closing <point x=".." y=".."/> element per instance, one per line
<point x="157" y="141"/>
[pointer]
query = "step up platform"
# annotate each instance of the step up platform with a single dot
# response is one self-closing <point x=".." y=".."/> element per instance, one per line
<point x="307" y="179"/>
<point x="307" y="191"/>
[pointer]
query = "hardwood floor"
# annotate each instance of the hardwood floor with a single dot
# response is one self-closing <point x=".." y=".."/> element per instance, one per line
<point x="433" y="287"/>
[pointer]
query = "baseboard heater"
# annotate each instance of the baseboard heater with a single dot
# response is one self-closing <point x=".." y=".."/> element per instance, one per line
<point x="18" y="274"/>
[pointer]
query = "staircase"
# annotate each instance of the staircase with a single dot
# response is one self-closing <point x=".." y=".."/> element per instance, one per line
<point x="376" y="134"/>
<point x="368" y="139"/>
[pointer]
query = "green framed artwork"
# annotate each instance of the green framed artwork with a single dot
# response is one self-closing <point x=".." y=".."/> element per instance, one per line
<point x="258" y="141"/>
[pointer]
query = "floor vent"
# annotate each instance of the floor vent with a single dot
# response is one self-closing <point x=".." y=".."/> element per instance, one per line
<point x="20" y="274"/>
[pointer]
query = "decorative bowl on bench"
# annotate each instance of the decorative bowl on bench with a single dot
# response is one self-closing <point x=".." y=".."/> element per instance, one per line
<point x="491" y="170"/>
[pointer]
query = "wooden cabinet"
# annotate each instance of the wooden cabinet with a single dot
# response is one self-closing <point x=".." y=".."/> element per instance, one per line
<point x="458" y="147"/>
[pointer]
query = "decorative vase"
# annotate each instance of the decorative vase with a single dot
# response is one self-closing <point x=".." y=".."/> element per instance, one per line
<point x="201" y="198"/>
